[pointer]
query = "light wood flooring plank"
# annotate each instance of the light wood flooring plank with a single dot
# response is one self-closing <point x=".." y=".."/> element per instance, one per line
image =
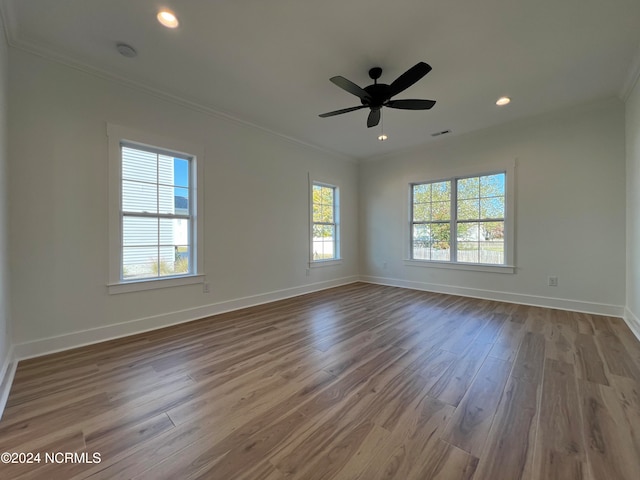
<point x="506" y="345"/>
<point x="589" y="363"/>
<point x="560" y="437"/>
<point x="617" y="358"/>
<point x="469" y="427"/>
<point x="411" y="441"/>
<point x="530" y="360"/>
<point x="455" y="381"/>
<point x="629" y="395"/>
<point x="508" y="454"/>
<point x="609" y="442"/>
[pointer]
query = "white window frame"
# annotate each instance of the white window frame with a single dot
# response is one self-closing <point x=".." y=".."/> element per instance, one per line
<point x="336" y="219"/>
<point x="117" y="136"/>
<point x="509" y="169"/>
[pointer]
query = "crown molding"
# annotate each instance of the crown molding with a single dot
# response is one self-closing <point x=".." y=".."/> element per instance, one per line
<point x="633" y="74"/>
<point x="8" y="21"/>
<point x="39" y="50"/>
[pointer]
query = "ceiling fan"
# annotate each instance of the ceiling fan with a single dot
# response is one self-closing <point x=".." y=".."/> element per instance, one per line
<point x="379" y="95"/>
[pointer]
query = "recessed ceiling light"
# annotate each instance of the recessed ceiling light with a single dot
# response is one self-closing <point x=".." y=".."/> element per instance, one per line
<point x="382" y="137"/>
<point x="503" y="101"/>
<point x="168" y="19"/>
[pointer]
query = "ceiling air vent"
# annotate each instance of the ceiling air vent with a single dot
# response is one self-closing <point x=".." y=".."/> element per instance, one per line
<point x="443" y="132"/>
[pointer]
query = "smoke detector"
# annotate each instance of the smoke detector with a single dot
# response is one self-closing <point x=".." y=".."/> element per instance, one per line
<point x="126" y="50"/>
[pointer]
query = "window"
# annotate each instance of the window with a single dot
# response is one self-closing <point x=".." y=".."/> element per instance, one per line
<point x="157" y="217"/>
<point x="480" y="219"/>
<point x="324" y="223"/>
<point x="462" y="220"/>
<point x="431" y="231"/>
<point x="155" y="212"/>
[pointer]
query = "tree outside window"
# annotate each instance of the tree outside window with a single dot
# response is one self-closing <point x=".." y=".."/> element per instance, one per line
<point x="324" y="242"/>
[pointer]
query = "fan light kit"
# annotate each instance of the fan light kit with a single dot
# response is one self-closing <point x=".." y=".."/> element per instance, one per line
<point x="382" y="137"/>
<point x="168" y="19"/>
<point x="503" y="101"/>
<point x="379" y="95"/>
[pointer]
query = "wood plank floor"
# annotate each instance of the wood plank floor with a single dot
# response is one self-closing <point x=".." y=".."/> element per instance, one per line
<point x="357" y="382"/>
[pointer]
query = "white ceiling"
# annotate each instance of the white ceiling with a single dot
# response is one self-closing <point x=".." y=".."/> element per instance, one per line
<point x="268" y="62"/>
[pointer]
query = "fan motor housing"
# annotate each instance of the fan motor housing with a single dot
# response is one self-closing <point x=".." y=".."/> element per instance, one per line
<point x="379" y="93"/>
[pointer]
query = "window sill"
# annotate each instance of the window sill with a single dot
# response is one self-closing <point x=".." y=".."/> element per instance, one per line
<point x="477" y="267"/>
<point x="140" y="285"/>
<point x="325" y="263"/>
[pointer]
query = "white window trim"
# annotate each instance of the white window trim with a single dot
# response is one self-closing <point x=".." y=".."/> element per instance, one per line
<point x="509" y="167"/>
<point x="325" y="263"/>
<point x="116" y="135"/>
<point x="337" y="217"/>
<point x="477" y="267"/>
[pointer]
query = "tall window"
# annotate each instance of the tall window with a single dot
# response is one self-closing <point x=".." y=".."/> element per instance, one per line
<point x="324" y="229"/>
<point x="157" y="213"/>
<point x="460" y="220"/>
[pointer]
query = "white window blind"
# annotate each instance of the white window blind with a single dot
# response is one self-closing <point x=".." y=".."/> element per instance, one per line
<point x="157" y="214"/>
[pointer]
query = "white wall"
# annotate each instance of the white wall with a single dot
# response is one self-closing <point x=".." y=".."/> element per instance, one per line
<point x="570" y="203"/>
<point x="5" y="327"/>
<point x="632" y="314"/>
<point x="256" y="209"/>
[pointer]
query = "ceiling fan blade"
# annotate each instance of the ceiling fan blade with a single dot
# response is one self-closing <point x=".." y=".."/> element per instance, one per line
<point x="344" y="110"/>
<point x="351" y="87"/>
<point x="408" y="78"/>
<point x="374" y="118"/>
<point x="411" y="104"/>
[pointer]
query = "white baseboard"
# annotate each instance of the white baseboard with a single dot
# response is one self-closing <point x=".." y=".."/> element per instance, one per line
<point x="7" y="371"/>
<point x="68" y="341"/>
<point x="523" y="299"/>
<point x="633" y="322"/>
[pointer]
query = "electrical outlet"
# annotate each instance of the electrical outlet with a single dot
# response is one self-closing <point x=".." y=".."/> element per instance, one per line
<point x="384" y="265"/>
<point x="552" y="281"/>
<point x="205" y="287"/>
